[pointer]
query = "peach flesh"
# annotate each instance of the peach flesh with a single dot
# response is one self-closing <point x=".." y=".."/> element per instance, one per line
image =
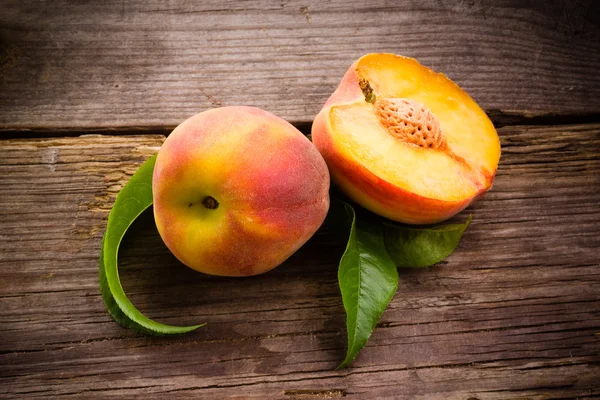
<point x="405" y="142"/>
<point x="237" y="191"/>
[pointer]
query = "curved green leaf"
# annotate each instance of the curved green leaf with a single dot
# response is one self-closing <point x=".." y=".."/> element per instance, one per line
<point x="422" y="247"/>
<point x="132" y="200"/>
<point x="368" y="279"/>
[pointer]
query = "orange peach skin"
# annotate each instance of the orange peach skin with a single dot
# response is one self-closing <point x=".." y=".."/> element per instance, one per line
<point x="270" y="182"/>
<point x="365" y="188"/>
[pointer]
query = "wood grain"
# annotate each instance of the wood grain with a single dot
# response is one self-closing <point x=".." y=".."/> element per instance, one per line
<point x="145" y="64"/>
<point x="513" y="313"/>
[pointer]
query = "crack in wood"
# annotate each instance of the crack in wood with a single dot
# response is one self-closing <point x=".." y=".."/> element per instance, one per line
<point x="500" y="120"/>
<point x="303" y="394"/>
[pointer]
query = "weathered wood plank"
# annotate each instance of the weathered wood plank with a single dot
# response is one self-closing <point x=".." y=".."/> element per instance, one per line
<point x="513" y="313"/>
<point x="143" y="64"/>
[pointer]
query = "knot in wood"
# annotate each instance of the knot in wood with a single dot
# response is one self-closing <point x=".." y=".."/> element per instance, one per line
<point x="410" y="122"/>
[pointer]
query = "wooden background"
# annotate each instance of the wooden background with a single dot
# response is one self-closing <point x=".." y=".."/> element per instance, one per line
<point x="89" y="89"/>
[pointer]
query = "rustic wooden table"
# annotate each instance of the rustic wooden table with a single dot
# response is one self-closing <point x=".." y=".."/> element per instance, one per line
<point x="88" y="91"/>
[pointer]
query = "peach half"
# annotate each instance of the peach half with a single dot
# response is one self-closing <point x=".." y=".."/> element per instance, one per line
<point x="406" y="142"/>
<point x="237" y="191"/>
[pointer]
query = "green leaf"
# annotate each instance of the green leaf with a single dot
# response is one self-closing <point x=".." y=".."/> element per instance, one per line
<point x="132" y="200"/>
<point x="368" y="279"/>
<point x="422" y="247"/>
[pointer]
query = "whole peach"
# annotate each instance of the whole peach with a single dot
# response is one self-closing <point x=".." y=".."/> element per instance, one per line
<point x="237" y="191"/>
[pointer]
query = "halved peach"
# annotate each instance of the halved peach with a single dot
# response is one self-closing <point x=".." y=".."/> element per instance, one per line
<point x="406" y="142"/>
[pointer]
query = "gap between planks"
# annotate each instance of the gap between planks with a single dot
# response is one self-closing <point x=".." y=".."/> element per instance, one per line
<point x="500" y="119"/>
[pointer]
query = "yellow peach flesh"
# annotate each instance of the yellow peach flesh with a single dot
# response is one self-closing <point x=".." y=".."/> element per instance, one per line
<point x="391" y="175"/>
<point x="468" y="130"/>
<point x="359" y="135"/>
